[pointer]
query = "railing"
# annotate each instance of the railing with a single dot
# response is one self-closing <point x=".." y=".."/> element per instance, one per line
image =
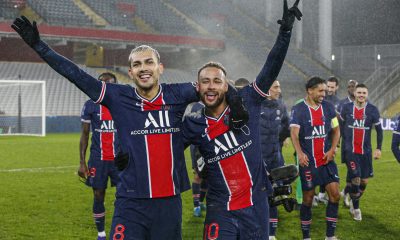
<point x="386" y="91"/>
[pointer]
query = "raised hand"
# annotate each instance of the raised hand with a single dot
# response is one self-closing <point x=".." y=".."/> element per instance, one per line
<point x="289" y="16"/>
<point x="28" y="31"/>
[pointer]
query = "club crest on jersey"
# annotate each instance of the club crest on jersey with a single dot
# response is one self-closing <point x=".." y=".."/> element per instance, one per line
<point x="162" y="117"/>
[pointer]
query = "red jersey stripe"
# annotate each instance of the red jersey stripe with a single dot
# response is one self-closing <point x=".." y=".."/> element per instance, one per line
<point x="318" y="143"/>
<point x="238" y="180"/>
<point x="160" y="164"/>
<point x="106" y="138"/>
<point x="358" y="133"/>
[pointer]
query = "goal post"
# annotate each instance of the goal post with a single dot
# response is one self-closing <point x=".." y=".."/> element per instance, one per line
<point x="22" y="107"/>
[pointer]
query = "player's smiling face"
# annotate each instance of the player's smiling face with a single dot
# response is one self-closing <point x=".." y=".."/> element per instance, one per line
<point x="145" y="70"/>
<point x="212" y="86"/>
<point x="361" y="95"/>
<point x="317" y="94"/>
<point x="331" y="88"/>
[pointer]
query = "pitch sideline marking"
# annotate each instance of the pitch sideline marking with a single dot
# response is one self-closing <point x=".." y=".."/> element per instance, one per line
<point x="40" y="169"/>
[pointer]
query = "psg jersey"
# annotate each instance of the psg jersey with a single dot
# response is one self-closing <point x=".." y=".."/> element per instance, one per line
<point x="235" y="172"/>
<point x="104" y="136"/>
<point x="315" y="126"/>
<point x="150" y="130"/>
<point x="357" y="123"/>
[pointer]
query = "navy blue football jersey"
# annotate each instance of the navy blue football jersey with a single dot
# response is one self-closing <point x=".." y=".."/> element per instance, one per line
<point x="235" y="171"/>
<point x="104" y="136"/>
<point x="315" y="126"/>
<point x="150" y="130"/>
<point x="358" y="123"/>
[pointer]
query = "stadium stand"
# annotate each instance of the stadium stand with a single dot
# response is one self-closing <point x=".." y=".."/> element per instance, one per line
<point x="9" y="9"/>
<point x="62" y="12"/>
<point x="62" y="97"/>
<point x="117" y="14"/>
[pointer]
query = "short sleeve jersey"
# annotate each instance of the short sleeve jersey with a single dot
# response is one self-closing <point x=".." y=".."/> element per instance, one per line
<point x="104" y="136"/>
<point x="315" y="126"/>
<point x="358" y="123"/>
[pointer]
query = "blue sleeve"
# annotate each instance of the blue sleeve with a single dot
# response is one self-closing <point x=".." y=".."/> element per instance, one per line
<point x="378" y="128"/>
<point x="295" y="117"/>
<point x="396" y="141"/>
<point x="273" y="64"/>
<point x="285" y="131"/>
<point x="86" y="114"/>
<point x="86" y="83"/>
<point x="188" y="92"/>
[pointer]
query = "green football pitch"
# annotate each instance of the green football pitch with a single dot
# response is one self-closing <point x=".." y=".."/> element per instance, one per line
<point x="42" y="198"/>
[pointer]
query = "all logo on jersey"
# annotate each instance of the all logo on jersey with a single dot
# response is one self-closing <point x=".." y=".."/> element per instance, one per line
<point x="162" y="122"/>
<point x="227" y="145"/>
<point x="107" y="126"/>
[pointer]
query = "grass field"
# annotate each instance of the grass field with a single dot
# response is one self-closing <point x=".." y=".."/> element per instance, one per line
<point x="41" y="197"/>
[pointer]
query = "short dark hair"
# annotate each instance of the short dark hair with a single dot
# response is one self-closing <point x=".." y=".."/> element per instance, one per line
<point x="212" y="64"/>
<point x="241" y="82"/>
<point x="313" y="82"/>
<point x="107" y="74"/>
<point x="361" y="85"/>
<point x="333" y="79"/>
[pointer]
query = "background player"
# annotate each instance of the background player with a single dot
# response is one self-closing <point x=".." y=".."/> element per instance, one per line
<point x="351" y="85"/>
<point x="332" y="86"/>
<point x="237" y="193"/>
<point x="359" y="117"/>
<point x="148" y="119"/>
<point x="103" y="150"/>
<point x="274" y="129"/>
<point x="315" y="135"/>
<point x="396" y="140"/>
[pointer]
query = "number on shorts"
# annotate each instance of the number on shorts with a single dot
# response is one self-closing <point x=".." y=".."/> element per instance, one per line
<point x="119" y="232"/>
<point x="211" y="231"/>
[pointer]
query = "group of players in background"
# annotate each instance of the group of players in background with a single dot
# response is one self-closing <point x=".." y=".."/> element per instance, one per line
<point x="238" y="134"/>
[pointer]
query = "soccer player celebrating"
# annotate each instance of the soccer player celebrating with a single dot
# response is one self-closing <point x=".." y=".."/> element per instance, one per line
<point x="148" y="119"/>
<point x="396" y="140"/>
<point x="359" y="117"/>
<point x="102" y="153"/>
<point x="237" y="180"/>
<point x="315" y="135"/>
<point x="274" y="129"/>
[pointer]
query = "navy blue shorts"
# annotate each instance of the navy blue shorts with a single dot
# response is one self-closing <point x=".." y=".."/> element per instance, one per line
<point x="249" y="223"/>
<point x="147" y="218"/>
<point x="99" y="171"/>
<point x="311" y="176"/>
<point x="359" y="165"/>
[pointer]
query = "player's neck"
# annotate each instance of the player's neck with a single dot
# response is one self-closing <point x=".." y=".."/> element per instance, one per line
<point x="149" y="93"/>
<point x="216" y="111"/>
<point x="310" y="102"/>
<point x="360" y="104"/>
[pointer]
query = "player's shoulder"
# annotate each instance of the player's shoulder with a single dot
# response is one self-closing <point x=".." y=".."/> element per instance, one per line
<point x="299" y="104"/>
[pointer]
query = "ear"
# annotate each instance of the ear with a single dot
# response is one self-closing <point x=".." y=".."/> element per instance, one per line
<point x="130" y="73"/>
<point x="197" y="87"/>
<point x="161" y="68"/>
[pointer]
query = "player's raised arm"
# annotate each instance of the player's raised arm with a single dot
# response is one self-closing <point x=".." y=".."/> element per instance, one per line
<point x="272" y="66"/>
<point x="30" y="34"/>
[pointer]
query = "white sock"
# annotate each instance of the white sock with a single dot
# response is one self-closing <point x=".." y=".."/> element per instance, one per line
<point x="101" y="234"/>
<point x="321" y="195"/>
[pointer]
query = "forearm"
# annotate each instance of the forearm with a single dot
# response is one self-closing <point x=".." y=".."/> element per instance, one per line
<point x="86" y="83"/>
<point x="379" y="136"/>
<point x="274" y="62"/>
<point x="395" y="146"/>
<point x="335" y="138"/>
<point x="295" y="142"/>
<point x="83" y="144"/>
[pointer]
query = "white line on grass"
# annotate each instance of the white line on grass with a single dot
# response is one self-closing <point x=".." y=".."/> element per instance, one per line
<point x="40" y="169"/>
